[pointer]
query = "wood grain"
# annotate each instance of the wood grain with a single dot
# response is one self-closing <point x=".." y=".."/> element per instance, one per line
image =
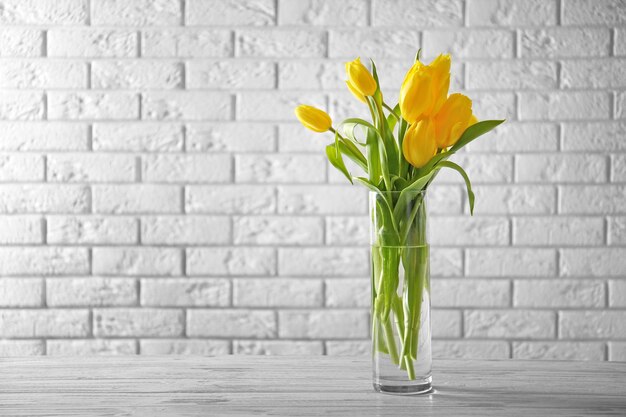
<point x="296" y="386"/>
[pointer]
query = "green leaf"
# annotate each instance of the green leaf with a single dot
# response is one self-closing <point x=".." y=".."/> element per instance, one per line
<point x="373" y="156"/>
<point x="474" y="131"/>
<point x="334" y="157"/>
<point x="417" y="55"/>
<point x="468" y="184"/>
<point x="350" y="150"/>
<point x="368" y="184"/>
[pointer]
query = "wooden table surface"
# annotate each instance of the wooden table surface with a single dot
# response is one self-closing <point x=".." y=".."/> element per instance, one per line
<point x="301" y="386"/>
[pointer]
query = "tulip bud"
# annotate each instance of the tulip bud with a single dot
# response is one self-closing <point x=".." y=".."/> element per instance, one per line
<point x="360" y="80"/>
<point x="452" y="119"/>
<point x="415" y="93"/>
<point x="313" y="118"/>
<point x="419" y="143"/>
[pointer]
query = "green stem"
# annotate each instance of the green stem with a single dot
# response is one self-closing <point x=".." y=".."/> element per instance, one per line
<point x="391" y="342"/>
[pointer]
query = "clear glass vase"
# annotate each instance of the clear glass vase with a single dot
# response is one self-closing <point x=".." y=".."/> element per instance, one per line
<point x="400" y="314"/>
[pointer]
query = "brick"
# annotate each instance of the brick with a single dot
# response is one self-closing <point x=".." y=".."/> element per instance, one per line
<point x="229" y="199"/>
<point x="470" y="293"/>
<point x="275" y="106"/>
<point x="43" y="261"/>
<point x="592" y="324"/>
<point x="551" y="231"/>
<point x="29" y="74"/>
<point x="617" y="351"/>
<point x="525" y="324"/>
<point x="429" y="13"/>
<point x="594" y="136"/>
<point x="277" y="293"/>
<point x="348" y="348"/>
<point x="348" y="293"/>
<point x="144" y="322"/>
<point x="347" y="230"/>
<point x="277" y="347"/>
<point x="379" y="43"/>
<point x="446" y="262"/>
<point x="21" y="292"/>
<point x="44" y="323"/>
<point x="594" y="74"/>
<point x="493" y="105"/>
<point x="187" y="105"/>
<point x="512" y="13"/>
<point x="328" y="324"/>
<point x="599" y="12"/>
<point x="325" y="13"/>
<point x="515" y="199"/>
<point x="618" y="168"/>
<point x="21" y="167"/>
<point x="44" y="12"/>
<point x="258" y="324"/>
<point x="469" y="231"/>
<point x="592" y="262"/>
<point x="137" y="261"/>
<point x="512" y="75"/>
<point x="511" y="262"/>
<point x="184" y="347"/>
<point x="564" y="105"/>
<point x="121" y="75"/>
<point x="321" y="75"/>
<point x="20" y="230"/>
<point x="323" y="262"/>
<point x="9" y="348"/>
<point x="281" y="43"/>
<point x="20" y="42"/>
<point x="230" y="137"/>
<point x="88" y="167"/>
<point x="321" y="200"/>
<point x="343" y="105"/>
<point x="188" y="230"/>
<point x="230" y="12"/>
<point x="91" y="43"/>
<point x="185" y="292"/>
<point x="620" y="106"/>
<point x="519" y="138"/>
<point x="121" y="199"/>
<point x="21" y="105"/>
<point x="136" y="13"/>
<point x="591" y="199"/>
<point x="564" y="42"/>
<point x="446" y="323"/>
<point x="616" y="230"/>
<point x="295" y="138"/>
<point x="226" y="75"/>
<point x="255" y="168"/>
<point x="91" y="292"/>
<point x="558" y="294"/>
<point x="187" y="168"/>
<point x="90" y="347"/>
<point x="475" y="43"/>
<point x="48" y="136"/>
<point x="444" y="199"/>
<point x="231" y="261"/>
<point x="187" y="42"/>
<point x="71" y="230"/>
<point x="83" y="105"/>
<point x="283" y="230"/>
<point x="571" y="351"/>
<point x="39" y="198"/>
<point x="561" y="168"/>
<point x="620" y="42"/>
<point x="144" y="137"/>
<point x="470" y="349"/>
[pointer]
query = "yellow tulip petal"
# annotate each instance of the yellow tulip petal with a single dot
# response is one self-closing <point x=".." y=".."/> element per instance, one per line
<point x="355" y="92"/>
<point x="419" y="144"/>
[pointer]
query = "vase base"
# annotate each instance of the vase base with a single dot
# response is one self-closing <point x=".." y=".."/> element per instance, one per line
<point x="423" y="387"/>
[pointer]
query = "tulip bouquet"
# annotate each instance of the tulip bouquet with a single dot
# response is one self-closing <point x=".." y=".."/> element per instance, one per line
<point x="400" y="151"/>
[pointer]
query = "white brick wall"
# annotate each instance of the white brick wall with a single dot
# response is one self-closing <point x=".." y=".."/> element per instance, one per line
<point x="158" y="197"/>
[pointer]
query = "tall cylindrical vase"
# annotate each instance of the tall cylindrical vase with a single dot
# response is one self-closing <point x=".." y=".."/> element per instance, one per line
<point x="400" y="313"/>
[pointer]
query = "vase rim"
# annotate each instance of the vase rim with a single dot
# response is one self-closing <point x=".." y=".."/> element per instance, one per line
<point x="416" y="192"/>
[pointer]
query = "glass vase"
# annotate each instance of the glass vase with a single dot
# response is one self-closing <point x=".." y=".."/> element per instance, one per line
<point x="400" y="313"/>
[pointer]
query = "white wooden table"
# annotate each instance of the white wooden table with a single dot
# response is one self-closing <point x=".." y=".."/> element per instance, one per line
<point x="295" y="386"/>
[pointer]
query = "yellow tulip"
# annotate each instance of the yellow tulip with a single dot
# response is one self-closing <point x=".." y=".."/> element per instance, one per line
<point x="415" y="93"/>
<point x="440" y="70"/>
<point x="419" y="143"/>
<point x="313" y="118"/>
<point x="452" y="119"/>
<point x="360" y="80"/>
